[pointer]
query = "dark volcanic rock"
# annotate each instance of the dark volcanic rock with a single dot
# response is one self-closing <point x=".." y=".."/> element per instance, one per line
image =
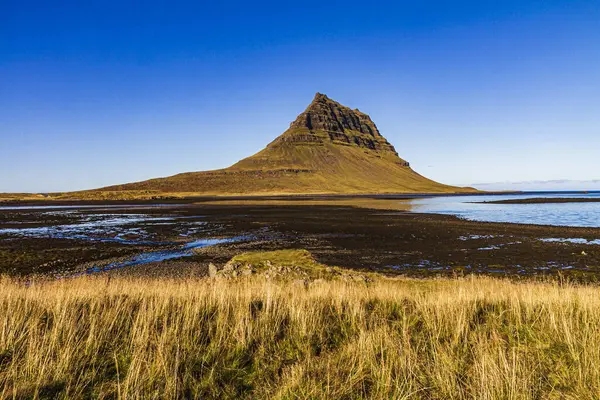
<point x="341" y="123"/>
<point x="328" y="115"/>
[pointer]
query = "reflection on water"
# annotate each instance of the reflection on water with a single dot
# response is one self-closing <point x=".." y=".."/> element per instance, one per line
<point x="470" y="207"/>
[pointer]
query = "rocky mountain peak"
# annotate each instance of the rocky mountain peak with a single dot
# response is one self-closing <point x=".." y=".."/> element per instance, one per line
<point x="325" y="114"/>
<point x="326" y="120"/>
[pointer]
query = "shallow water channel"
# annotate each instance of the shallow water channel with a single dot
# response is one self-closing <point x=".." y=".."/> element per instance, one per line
<point x="126" y="225"/>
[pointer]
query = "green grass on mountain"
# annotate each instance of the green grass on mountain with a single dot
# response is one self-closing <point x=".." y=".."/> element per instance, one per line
<point x="291" y="168"/>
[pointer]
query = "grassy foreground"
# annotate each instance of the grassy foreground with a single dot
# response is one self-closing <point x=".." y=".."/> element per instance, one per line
<point x="253" y="338"/>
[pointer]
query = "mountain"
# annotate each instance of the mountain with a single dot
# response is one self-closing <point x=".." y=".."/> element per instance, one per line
<point x="329" y="148"/>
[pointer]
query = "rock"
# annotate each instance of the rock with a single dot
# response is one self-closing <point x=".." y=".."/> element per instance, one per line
<point x="230" y="266"/>
<point x="212" y="270"/>
<point x="336" y="120"/>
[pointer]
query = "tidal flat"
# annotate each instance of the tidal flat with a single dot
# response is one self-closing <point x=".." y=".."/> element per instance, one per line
<point x="381" y="235"/>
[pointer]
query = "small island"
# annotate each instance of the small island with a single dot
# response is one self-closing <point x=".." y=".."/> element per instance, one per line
<point x="543" y="200"/>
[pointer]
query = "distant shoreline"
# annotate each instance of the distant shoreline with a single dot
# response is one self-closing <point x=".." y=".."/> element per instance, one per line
<point x="542" y="200"/>
<point x="167" y="198"/>
<point x="25" y="199"/>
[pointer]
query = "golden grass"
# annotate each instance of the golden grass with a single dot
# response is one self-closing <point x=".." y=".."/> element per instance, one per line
<point x="476" y="338"/>
<point x="20" y="196"/>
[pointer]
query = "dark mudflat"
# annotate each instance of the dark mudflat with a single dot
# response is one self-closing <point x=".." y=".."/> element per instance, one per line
<point x="393" y="242"/>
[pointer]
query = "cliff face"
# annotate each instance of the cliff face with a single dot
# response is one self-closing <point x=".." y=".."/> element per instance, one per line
<point x="328" y="148"/>
<point x="327" y="120"/>
<point x="327" y="115"/>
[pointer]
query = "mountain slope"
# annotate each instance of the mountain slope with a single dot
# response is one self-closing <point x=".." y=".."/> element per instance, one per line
<point x="329" y="148"/>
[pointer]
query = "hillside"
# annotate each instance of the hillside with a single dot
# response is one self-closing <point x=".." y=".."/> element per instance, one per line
<point x="329" y="148"/>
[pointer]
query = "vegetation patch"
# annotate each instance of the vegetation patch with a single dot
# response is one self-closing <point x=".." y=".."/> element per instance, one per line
<point x="269" y="339"/>
<point x="284" y="264"/>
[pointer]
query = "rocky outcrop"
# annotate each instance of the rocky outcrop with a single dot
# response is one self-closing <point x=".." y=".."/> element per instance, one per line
<point x="324" y="114"/>
<point x="326" y="120"/>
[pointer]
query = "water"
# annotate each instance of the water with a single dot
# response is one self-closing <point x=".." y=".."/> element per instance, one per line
<point x="558" y="214"/>
<point x="186" y="250"/>
<point x="82" y="206"/>
<point x="103" y="224"/>
<point x="97" y="227"/>
<point x="571" y="240"/>
<point x="96" y="224"/>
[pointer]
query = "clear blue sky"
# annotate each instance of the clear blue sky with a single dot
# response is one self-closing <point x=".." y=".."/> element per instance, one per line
<point x="468" y="91"/>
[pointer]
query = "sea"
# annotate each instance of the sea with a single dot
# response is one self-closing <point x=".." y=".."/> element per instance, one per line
<point x="475" y="208"/>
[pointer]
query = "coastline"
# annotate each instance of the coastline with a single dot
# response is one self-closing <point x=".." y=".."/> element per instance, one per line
<point x="60" y="198"/>
<point x="389" y="241"/>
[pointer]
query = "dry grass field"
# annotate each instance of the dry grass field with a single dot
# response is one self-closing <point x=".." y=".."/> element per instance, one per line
<point x="475" y="338"/>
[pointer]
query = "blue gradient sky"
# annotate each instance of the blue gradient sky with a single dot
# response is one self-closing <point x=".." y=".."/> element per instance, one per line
<point x="467" y="91"/>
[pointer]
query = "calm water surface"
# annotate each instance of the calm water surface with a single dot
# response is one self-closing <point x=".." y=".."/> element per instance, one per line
<point x="560" y="214"/>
